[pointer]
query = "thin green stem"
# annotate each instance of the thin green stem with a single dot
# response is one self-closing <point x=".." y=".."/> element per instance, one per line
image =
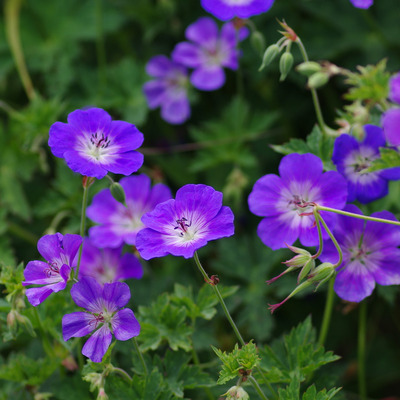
<point x="229" y="318"/>
<point x="359" y="216"/>
<point x="362" y="328"/>
<point x="257" y="387"/>
<point x="123" y="373"/>
<point x="320" y="239"/>
<point x="339" y="250"/>
<point x="45" y="339"/>
<point x="82" y="228"/>
<point x="139" y="353"/>
<point x="314" y="94"/>
<point x="11" y="14"/>
<point x="327" y="313"/>
<point x="221" y="300"/>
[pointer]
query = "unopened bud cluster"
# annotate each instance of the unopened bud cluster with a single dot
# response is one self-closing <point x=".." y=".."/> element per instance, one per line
<point x="318" y="74"/>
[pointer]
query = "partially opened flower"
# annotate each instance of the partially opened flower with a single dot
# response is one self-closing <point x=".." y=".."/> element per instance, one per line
<point x="104" y="316"/>
<point x="182" y="225"/>
<point x="108" y="265"/>
<point x="209" y="52"/>
<point x="285" y="202"/>
<point x="352" y="158"/>
<point x="362" y="3"/>
<point x="391" y="126"/>
<point x="168" y="90"/>
<point x="370" y="254"/>
<point x="120" y="224"/>
<point x="51" y="275"/>
<point x="227" y="9"/>
<point x="93" y="145"/>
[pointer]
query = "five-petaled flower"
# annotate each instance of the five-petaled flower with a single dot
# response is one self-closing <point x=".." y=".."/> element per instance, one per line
<point x="182" y="225"/>
<point x="168" y="90"/>
<point x="227" y="9"/>
<point x="353" y="158"/>
<point x="51" y="276"/>
<point x="286" y="202"/>
<point x="370" y="254"/>
<point x="93" y="145"/>
<point x="108" y="265"/>
<point x="105" y="316"/>
<point x="120" y="224"/>
<point x="209" y="52"/>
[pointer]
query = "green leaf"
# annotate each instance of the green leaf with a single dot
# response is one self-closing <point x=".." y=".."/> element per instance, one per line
<point x="311" y="394"/>
<point x="292" y="391"/>
<point x="163" y="321"/>
<point x="297" y="353"/>
<point x="244" y="358"/>
<point x="389" y="158"/>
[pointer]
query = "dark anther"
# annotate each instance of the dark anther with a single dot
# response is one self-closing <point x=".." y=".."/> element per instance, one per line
<point x="214" y="280"/>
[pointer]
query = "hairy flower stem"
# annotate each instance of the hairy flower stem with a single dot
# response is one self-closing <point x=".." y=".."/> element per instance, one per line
<point x="339" y="250"/>
<point x="320" y="239"/>
<point x="121" y="372"/>
<point x="365" y="217"/>
<point x="139" y="353"/>
<point x="82" y="228"/>
<point x="362" y="328"/>
<point x="232" y="323"/>
<point x="11" y="13"/>
<point x="327" y="313"/>
<point x="257" y="387"/>
<point x="314" y="94"/>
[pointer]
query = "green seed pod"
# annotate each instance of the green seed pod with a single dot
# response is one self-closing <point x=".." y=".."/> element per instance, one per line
<point x="257" y="41"/>
<point x="308" y="68"/>
<point x="317" y="80"/>
<point x="117" y="192"/>
<point x="285" y="65"/>
<point x="269" y="55"/>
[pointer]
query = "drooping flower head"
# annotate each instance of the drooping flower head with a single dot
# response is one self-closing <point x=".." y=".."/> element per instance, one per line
<point x="93" y="145"/>
<point x="352" y="158"/>
<point x="370" y="254"/>
<point x="227" y="9"/>
<point x="51" y="275"/>
<point x="120" y="224"/>
<point x="394" y="88"/>
<point x="182" y="225"/>
<point x="108" y="265"/>
<point x="209" y="51"/>
<point x="168" y="90"/>
<point x="362" y="3"/>
<point x="105" y="316"/>
<point x="391" y="126"/>
<point x="284" y="200"/>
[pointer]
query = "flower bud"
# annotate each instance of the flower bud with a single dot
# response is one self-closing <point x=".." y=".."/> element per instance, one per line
<point x="322" y="274"/>
<point x="269" y="55"/>
<point x="236" y="393"/>
<point x="317" y="80"/>
<point x="102" y="394"/>
<point x="298" y="261"/>
<point x="308" y="68"/>
<point x="307" y="268"/>
<point x="117" y="191"/>
<point x="285" y="65"/>
<point x="257" y="41"/>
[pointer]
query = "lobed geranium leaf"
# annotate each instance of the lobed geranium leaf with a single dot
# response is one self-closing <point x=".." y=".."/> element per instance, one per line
<point x="311" y="394"/>
<point x="296" y="353"/>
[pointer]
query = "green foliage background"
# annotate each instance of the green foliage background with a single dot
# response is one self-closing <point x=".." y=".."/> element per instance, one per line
<point x="93" y="53"/>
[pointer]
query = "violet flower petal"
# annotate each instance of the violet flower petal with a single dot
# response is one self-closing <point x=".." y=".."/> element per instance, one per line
<point x="77" y="324"/>
<point x="87" y="293"/>
<point x="98" y="344"/>
<point x="208" y="78"/>
<point x="115" y="295"/>
<point x="124" y="325"/>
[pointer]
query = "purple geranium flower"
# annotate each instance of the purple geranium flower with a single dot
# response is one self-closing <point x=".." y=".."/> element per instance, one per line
<point x="391" y="126"/>
<point x="282" y="200"/>
<point x="362" y="3"/>
<point x="181" y="226"/>
<point x="352" y="158"/>
<point x="104" y="316"/>
<point x="370" y="254"/>
<point x="108" y="265"/>
<point x="52" y="276"/>
<point x="209" y="52"/>
<point x="227" y="9"/>
<point x="121" y="224"/>
<point x="394" y="88"/>
<point x="168" y="90"/>
<point x="92" y="144"/>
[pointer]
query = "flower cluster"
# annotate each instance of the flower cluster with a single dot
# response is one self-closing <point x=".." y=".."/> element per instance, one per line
<point x="208" y="52"/>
